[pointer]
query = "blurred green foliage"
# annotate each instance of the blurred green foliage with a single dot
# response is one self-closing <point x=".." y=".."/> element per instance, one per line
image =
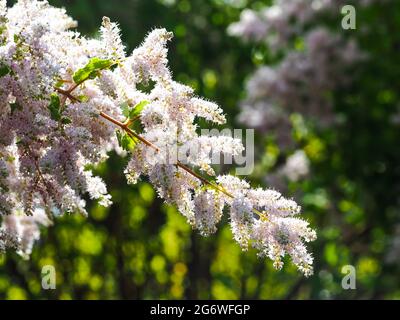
<point x="142" y="249"/>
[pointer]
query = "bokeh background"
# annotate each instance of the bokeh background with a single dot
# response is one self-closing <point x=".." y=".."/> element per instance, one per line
<point x="140" y="248"/>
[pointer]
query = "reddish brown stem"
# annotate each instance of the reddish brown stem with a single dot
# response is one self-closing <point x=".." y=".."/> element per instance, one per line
<point x="131" y="133"/>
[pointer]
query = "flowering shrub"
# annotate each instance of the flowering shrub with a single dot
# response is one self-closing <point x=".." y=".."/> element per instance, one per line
<point x="302" y="80"/>
<point x="308" y="63"/>
<point x="67" y="100"/>
<point x="317" y="88"/>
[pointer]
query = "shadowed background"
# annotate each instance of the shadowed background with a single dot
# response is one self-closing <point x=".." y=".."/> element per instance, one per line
<point x="140" y="248"/>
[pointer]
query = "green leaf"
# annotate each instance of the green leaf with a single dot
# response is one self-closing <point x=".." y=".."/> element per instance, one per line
<point x="60" y="82"/>
<point x="125" y="109"/>
<point x="83" y="98"/>
<point x="204" y="188"/>
<point x="66" y="120"/>
<point x="92" y="69"/>
<point x="17" y="38"/>
<point x="125" y="141"/>
<point x="136" y="110"/>
<point x="131" y="113"/>
<point x="4" y="70"/>
<point x="15" y="106"/>
<point x="2" y="27"/>
<point x="54" y="107"/>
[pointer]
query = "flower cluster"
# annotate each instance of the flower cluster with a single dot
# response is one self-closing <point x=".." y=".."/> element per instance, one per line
<point x="315" y="62"/>
<point x="297" y="166"/>
<point x="302" y="80"/>
<point x="299" y="83"/>
<point x="278" y="233"/>
<point x="279" y="23"/>
<point x="67" y="100"/>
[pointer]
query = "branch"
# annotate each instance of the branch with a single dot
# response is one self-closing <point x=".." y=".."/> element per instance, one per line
<point x="124" y="126"/>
